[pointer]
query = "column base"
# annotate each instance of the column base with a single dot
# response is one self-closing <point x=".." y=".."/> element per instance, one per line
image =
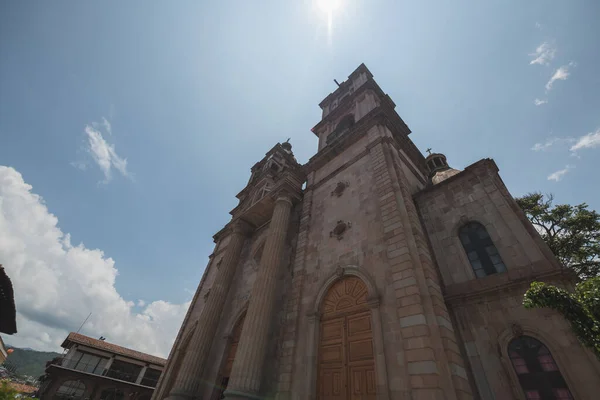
<point x="239" y="395"/>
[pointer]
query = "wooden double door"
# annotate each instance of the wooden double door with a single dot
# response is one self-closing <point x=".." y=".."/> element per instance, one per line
<point x="346" y="353"/>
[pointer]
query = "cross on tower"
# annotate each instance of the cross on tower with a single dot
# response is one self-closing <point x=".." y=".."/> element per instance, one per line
<point x="429" y="150"/>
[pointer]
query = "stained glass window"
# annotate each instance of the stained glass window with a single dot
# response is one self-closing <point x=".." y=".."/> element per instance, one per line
<point x="537" y="371"/>
<point x="481" y="252"/>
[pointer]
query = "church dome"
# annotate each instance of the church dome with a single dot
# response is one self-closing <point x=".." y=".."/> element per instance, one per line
<point x="439" y="170"/>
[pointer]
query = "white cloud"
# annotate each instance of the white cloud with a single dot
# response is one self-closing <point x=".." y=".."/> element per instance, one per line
<point x="561" y="74"/>
<point x="104" y="153"/>
<point x="543" y="54"/>
<point x="547" y="144"/>
<point x="101" y="151"/>
<point x="558" y="175"/>
<point x="538" y="25"/>
<point x="57" y="284"/>
<point x="79" y="165"/>
<point x="141" y="303"/>
<point x="539" y="102"/>
<point x="588" y="141"/>
<point x="107" y="125"/>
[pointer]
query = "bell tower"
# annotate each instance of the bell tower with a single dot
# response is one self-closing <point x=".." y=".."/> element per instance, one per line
<point x="369" y="290"/>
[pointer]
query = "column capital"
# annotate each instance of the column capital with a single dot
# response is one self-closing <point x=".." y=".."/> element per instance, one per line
<point x="240" y="226"/>
<point x="284" y="197"/>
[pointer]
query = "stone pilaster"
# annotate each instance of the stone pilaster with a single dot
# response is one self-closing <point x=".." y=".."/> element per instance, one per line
<point x="430" y="370"/>
<point x="247" y="370"/>
<point x="187" y="383"/>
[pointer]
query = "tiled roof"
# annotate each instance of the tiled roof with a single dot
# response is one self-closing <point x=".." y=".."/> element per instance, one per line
<point x="112" y="348"/>
<point x="21" y="387"/>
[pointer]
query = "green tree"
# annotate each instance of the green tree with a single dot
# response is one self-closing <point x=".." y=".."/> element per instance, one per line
<point x="7" y="392"/>
<point x="581" y="308"/>
<point x="571" y="232"/>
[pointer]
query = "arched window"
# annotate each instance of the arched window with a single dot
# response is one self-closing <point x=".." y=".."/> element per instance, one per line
<point x="480" y="249"/>
<point x="72" y="390"/>
<point x="342" y="127"/>
<point x="346" y="122"/>
<point x="537" y="371"/>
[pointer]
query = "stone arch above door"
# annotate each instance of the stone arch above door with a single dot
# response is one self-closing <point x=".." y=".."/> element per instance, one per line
<point x="340" y="273"/>
<point x="344" y="296"/>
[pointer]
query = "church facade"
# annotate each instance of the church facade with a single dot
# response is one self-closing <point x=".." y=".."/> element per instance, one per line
<point x="374" y="272"/>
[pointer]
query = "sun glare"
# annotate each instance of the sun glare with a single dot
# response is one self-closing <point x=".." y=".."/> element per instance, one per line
<point x="328" y="6"/>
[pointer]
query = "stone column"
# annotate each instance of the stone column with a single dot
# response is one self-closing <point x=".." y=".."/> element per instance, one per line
<point x="187" y="382"/>
<point x="247" y="370"/>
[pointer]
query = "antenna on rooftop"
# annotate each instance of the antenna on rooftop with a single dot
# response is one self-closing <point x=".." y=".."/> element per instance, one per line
<point x="336" y="82"/>
<point x="83" y="323"/>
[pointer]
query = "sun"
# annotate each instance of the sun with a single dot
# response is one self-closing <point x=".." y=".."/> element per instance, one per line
<point x="328" y="6"/>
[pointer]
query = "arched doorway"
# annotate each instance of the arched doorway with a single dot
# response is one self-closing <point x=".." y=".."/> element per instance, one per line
<point x="346" y="355"/>
<point x="226" y="370"/>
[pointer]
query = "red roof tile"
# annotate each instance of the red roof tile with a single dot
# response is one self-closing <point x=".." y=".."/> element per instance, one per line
<point x="21" y="387"/>
<point x="112" y="348"/>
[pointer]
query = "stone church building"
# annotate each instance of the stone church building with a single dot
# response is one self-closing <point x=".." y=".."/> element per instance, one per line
<point x="373" y="272"/>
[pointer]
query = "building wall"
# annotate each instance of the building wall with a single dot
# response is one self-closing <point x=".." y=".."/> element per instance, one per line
<point x="372" y="248"/>
<point x="488" y="311"/>
<point x="94" y="385"/>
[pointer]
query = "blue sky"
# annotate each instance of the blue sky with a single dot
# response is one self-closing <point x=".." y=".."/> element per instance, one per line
<point x="194" y="93"/>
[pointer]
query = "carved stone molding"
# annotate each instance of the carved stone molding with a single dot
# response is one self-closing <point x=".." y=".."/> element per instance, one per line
<point x="313" y="317"/>
<point x="242" y="227"/>
<point x="373" y="302"/>
<point x="517" y="330"/>
<point x="339" y="230"/>
<point x="340" y="188"/>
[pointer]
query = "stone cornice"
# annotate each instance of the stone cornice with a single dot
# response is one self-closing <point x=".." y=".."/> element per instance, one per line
<point x="485" y="163"/>
<point x="343" y="108"/>
<point x="383" y="139"/>
<point x="331" y="151"/>
<point x="222" y="233"/>
<point x="322" y="181"/>
<point x="235" y="225"/>
<point x="484" y="288"/>
<point x="361" y="68"/>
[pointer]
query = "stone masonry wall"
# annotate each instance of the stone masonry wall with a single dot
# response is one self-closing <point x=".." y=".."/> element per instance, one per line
<point x="487" y="325"/>
<point x="417" y="365"/>
<point x="488" y="311"/>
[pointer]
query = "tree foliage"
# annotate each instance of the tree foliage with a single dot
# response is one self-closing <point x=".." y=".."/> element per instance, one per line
<point x="7" y="392"/>
<point x="27" y="362"/>
<point x="571" y="232"/>
<point x="581" y="308"/>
